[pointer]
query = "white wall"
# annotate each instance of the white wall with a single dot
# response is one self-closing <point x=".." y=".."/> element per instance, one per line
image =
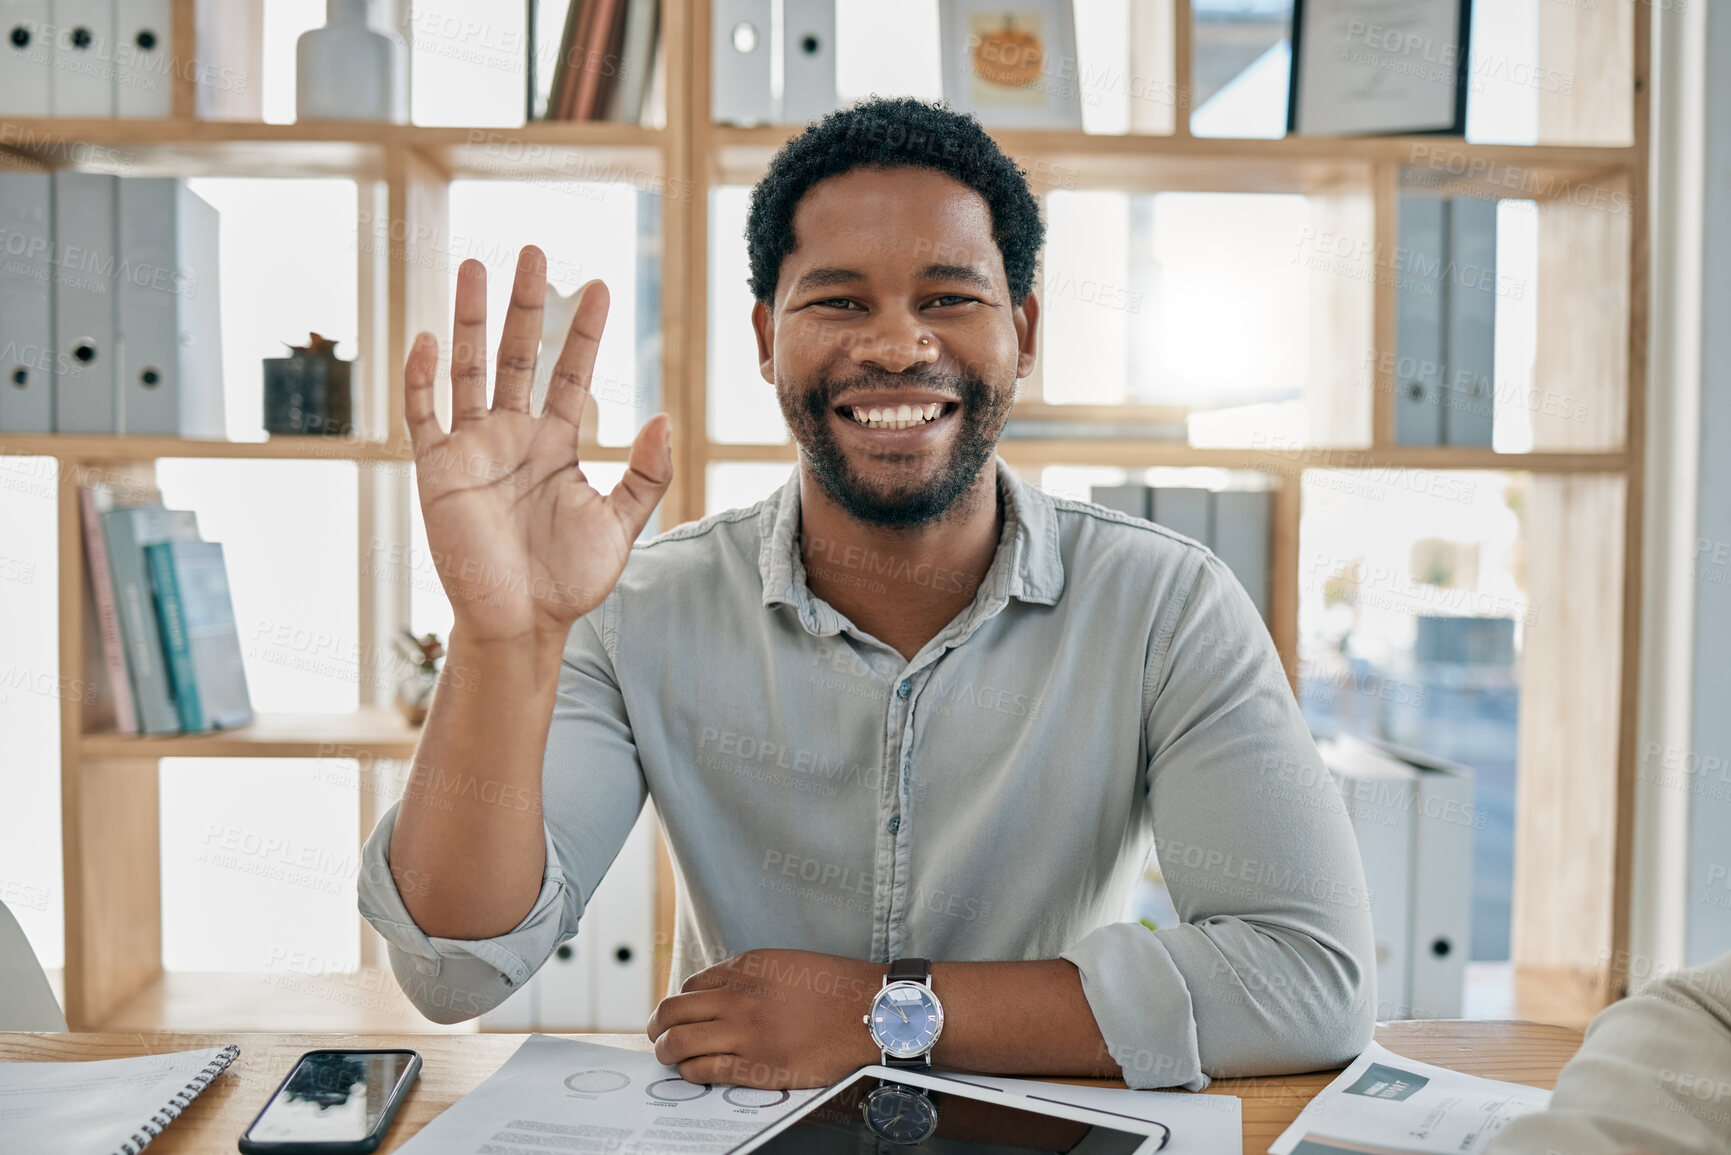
<point x="1682" y="878"/>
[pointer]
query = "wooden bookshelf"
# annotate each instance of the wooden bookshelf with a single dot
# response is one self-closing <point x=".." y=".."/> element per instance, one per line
<point x="370" y="732"/>
<point x="96" y="449"/>
<point x="1577" y="757"/>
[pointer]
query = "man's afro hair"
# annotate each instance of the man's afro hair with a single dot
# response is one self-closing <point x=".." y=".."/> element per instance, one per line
<point x="885" y="131"/>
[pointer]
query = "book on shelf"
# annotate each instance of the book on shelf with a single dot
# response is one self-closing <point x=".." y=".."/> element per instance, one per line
<point x="632" y="79"/>
<point x="94" y="501"/>
<point x="161" y="604"/>
<point x="605" y="67"/>
<point x="198" y="631"/>
<point x="598" y="59"/>
<point x="128" y="530"/>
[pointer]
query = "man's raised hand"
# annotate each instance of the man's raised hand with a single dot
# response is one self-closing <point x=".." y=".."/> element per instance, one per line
<point x="523" y="544"/>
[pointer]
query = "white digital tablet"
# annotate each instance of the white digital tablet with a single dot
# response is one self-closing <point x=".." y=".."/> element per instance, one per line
<point x="913" y="1111"/>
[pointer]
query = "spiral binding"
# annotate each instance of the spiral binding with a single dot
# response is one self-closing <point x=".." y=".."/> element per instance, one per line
<point x="178" y="1102"/>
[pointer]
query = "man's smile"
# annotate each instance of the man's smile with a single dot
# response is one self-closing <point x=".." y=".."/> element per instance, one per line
<point x="896" y="421"/>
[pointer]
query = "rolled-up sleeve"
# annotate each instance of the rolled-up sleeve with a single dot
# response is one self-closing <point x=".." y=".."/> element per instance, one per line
<point x="592" y="790"/>
<point x="1271" y="967"/>
<point x="451" y="979"/>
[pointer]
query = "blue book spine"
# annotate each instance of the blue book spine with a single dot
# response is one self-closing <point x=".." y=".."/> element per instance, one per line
<point x="172" y="615"/>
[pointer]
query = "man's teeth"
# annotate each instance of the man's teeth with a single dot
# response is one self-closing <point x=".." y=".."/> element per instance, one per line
<point x="896" y="416"/>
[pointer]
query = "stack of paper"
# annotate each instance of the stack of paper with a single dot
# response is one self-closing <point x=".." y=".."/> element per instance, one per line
<point x="1388" y="1105"/>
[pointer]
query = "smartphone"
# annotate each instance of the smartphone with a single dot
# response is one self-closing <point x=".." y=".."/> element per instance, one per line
<point x="336" y="1102"/>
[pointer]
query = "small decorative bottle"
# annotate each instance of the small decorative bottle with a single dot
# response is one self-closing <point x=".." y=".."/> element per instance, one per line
<point x="350" y="71"/>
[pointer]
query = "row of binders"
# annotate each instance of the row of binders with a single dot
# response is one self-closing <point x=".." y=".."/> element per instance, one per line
<point x="110" y="318"/>
<point x="1446" y="291"/>
<point x="86" y="58"/>
<point x="1234" y="523"/>
<point x="606" y="61"/>
<point x="744" y="88"/>
<point x="1414" y="818"/>
<point x="600" y="980"/>
<point x="162" y="610"/>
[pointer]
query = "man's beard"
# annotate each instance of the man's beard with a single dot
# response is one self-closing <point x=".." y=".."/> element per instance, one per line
<point x="980" y="415"/>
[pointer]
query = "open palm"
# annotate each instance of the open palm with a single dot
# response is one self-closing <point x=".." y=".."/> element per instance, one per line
<point x="522" y="542"/>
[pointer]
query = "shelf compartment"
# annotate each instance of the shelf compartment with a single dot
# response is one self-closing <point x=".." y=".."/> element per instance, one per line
<point x="1293" y="164"/>
<point x="369" y="731"/>
<point x="81" y="447"/>
<point x="179" y="147"/>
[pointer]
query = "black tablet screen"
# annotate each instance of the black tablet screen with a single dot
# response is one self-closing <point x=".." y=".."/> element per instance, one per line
<point x="922" y="1119"/>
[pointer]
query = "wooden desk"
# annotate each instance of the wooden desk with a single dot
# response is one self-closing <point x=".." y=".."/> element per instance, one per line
<point x="455" y="1064"/>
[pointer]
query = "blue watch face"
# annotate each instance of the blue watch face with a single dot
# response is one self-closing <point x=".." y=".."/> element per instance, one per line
<point x="905" y="1019"/>
<point x="900" y="1114"/>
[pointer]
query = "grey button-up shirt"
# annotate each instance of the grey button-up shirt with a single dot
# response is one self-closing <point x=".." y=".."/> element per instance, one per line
<point x="1110" y="689"/>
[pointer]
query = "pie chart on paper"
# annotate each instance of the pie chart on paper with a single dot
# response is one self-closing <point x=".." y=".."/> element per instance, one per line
<point x="597" y="1082"/>
<point x="677" y="1090"/>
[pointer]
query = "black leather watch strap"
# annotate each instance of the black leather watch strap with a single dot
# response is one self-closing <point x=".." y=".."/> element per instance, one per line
<point x="911" y="970"/>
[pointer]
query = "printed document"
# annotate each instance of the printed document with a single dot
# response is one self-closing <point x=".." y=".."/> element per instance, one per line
<point x="1388" y="1105"/>
<point x="566" y="1095"/>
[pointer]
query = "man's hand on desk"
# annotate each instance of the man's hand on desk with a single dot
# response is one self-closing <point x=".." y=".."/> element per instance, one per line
<point x="794" y="1018"/>
<point x="770" y="1018"/>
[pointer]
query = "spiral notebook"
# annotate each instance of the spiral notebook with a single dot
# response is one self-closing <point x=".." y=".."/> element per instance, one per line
<point x="104" y="1107"/>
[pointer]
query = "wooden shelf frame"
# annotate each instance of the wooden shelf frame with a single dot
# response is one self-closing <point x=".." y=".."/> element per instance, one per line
<point x="1591" y="479"/>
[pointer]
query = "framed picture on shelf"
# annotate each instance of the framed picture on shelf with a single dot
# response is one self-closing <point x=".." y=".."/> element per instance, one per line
<point x="1012" y="63"/>
<point x="1395" y="66"/>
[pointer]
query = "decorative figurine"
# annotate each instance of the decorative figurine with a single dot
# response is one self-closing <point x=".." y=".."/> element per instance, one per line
<point x="309" y="391"/>
<point x="415" y="692"/>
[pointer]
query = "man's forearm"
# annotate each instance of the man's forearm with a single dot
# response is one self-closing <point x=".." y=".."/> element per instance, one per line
<point x="792" y="1018"/>
<point x="1018" y="1018"/>
<point x="468" y="835"/>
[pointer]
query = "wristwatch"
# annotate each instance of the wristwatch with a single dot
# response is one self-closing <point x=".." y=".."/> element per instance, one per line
<point x="900" y="1114"/>
<point x="905" y="1017"/>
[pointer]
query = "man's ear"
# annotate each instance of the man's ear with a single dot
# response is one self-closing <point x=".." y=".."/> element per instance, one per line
<point x="763" y="324"/>
<point x="1027" y="318"/>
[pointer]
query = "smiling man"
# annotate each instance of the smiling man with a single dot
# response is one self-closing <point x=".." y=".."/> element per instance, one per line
<point x="911" y="725"/>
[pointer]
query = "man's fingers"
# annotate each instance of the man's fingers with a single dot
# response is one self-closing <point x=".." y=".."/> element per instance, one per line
<point x="418" y="409"/>
<point x="568" y="389"/>
<point x="648" y="473"/>
<point x="469" y="345"/>
<point x="710" y="977"/>
<point x="674" y="1010"/>
<point x="693" y="1040"/>
<point x="728" y="1068"/>
<point x="521" y="338"/>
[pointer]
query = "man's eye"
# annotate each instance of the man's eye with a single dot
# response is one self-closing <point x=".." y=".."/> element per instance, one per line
<point x="954" y="297"/>
<point x="833" y="301"/>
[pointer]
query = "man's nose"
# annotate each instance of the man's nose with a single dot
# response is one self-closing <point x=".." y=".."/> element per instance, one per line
<point x="894" y="344"/>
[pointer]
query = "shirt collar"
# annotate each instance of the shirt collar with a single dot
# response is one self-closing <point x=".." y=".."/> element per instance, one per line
<point x="1027" y="565"/>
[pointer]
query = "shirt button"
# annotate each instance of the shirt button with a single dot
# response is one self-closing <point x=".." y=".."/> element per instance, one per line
<point x="895" y="823"/>
<point x="906" y="688"/>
